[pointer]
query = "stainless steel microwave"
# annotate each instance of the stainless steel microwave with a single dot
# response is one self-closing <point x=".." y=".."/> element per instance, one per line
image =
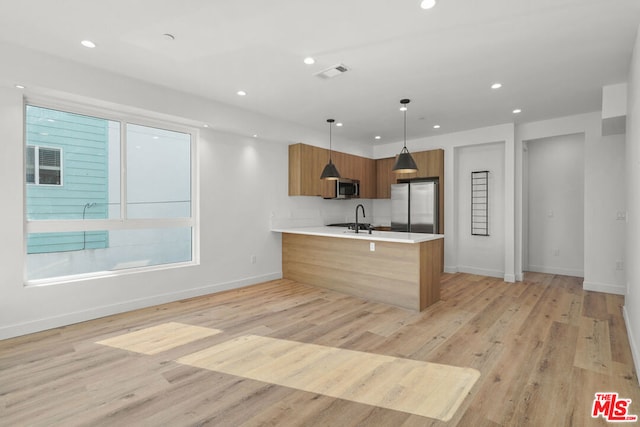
<point x="346" y="189"/>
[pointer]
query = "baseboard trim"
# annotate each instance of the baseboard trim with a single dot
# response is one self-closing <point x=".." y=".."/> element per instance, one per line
<point x="632" y="342"/>
<point x="604" y="287"/>
<point x="43" y="324"/>
<point x="554" y="270"/>
<point x="481" y="271"/>
<point x="509" y="278"/>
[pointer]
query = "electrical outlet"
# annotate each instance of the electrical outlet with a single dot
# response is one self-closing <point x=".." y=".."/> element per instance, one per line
<point x="620" y="265"/>
<point x="556" y="252"/>
<point x="253" y="259"/>
<point x="621" y="216"/>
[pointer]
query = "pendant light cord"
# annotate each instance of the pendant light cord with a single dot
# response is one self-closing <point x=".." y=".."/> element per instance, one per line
<point x="330" y="121"/>
<point x="405" y="128"/>
<point x="330" y="150"/>
<point x="330" y="171"/>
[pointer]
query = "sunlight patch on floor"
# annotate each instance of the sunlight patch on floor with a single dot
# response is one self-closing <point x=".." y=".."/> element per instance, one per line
<point x="421" y="388"/>
<point x="159" y="338"/>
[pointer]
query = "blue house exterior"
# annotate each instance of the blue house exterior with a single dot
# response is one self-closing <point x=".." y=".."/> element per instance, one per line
<point x="67" y="176"/>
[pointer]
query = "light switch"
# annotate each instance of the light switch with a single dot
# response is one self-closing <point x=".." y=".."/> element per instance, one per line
<point x="372" y="246"/>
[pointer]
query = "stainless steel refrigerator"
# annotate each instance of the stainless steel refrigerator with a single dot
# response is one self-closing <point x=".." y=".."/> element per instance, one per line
<point x="414" y="206"/>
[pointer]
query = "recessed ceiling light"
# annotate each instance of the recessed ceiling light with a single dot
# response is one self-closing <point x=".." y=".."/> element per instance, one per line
<point x="156" y="137"/>
<point x="309" y="60"/>
<point x="339" y="124"/>
<point x="19" y="87"/>
<point x="206" y="126"/>
<point x="436" y="126"/>
<point x="255" y="135"/>
<point x="377" y="137"/>
<point x="496" y="86"/>
<point x="427" y="4"/>
<point x="517" y="111"/>
<point x="88" y="43"/>
<point x="241" y="93"/>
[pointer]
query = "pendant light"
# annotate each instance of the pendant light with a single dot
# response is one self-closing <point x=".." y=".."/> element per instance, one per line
<point x="404" y="162"/>
<point x="330" y="171"/>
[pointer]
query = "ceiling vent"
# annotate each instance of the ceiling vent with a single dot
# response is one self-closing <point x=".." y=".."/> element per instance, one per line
<point x="332" y="71"/>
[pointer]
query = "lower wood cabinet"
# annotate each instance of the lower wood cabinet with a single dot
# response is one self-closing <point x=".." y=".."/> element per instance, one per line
<point x="403" y="274"/>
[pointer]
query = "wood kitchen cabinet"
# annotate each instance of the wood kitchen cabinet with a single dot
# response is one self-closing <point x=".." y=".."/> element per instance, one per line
<point x="385" y="177"/>
<point x="306" y="163"/>
<point x="360" y="168"/>
<point x="370" y="189"/>
<point x="430" y="164"/>
<point x="305" y="167"/>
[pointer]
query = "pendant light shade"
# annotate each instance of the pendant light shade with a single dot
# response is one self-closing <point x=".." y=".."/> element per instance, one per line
<point x="330" y="172"/>
<point x="405" y="162"/>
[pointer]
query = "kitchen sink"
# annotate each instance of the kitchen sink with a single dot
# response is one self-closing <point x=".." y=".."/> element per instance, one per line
<point x="363" y="226"/>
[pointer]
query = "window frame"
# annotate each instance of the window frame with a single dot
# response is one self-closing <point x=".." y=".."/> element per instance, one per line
<point x="124" y="115"/>
<point x="36" y="165"/>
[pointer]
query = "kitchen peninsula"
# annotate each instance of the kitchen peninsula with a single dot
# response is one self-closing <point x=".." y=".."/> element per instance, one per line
<point x="401" y="269"/>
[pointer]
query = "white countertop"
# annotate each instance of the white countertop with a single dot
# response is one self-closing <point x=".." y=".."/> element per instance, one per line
<point x="379" y="236"/>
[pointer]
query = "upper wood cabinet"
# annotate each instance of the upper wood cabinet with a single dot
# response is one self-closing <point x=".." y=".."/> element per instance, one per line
<point x="385" y="177"/>
<point x="306" y="163"/>
<point x="368" y="182"/>
<point x="305" y="167"/>
<point x="430" y="164"/>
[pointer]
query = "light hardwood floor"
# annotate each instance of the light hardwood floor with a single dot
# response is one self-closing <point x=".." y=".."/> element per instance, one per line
<point x="543" y="348"/>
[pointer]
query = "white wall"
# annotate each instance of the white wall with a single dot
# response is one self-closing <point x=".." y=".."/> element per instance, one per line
<point x="614" y="100"/>
<point x="603" y="240"/>
<point x="632" y="164"/>
<point x="606" y="230"/>
<point x="600" y="223"/>
<point x="555" y="191"/>
<point x="243" y="187"/>
<point x="503" y="134"/>
<point x="482" y="255"/>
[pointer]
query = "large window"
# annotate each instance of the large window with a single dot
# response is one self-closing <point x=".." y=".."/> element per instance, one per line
<point x="125" y="201"/>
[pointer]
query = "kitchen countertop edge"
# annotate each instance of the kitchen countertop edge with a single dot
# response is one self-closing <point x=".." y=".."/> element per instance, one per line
<point x="376" y="236"/>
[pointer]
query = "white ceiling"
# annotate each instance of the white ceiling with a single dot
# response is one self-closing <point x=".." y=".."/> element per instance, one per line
<point x="552" y="56"/>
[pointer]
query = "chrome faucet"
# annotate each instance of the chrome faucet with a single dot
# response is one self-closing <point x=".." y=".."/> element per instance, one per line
<point x="363" y="215"/>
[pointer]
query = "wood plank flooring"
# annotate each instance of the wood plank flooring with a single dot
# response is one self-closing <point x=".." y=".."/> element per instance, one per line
<point x="543" y="348"/>
<point x="157" y="339"/>
<point x="428" y="389"/>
